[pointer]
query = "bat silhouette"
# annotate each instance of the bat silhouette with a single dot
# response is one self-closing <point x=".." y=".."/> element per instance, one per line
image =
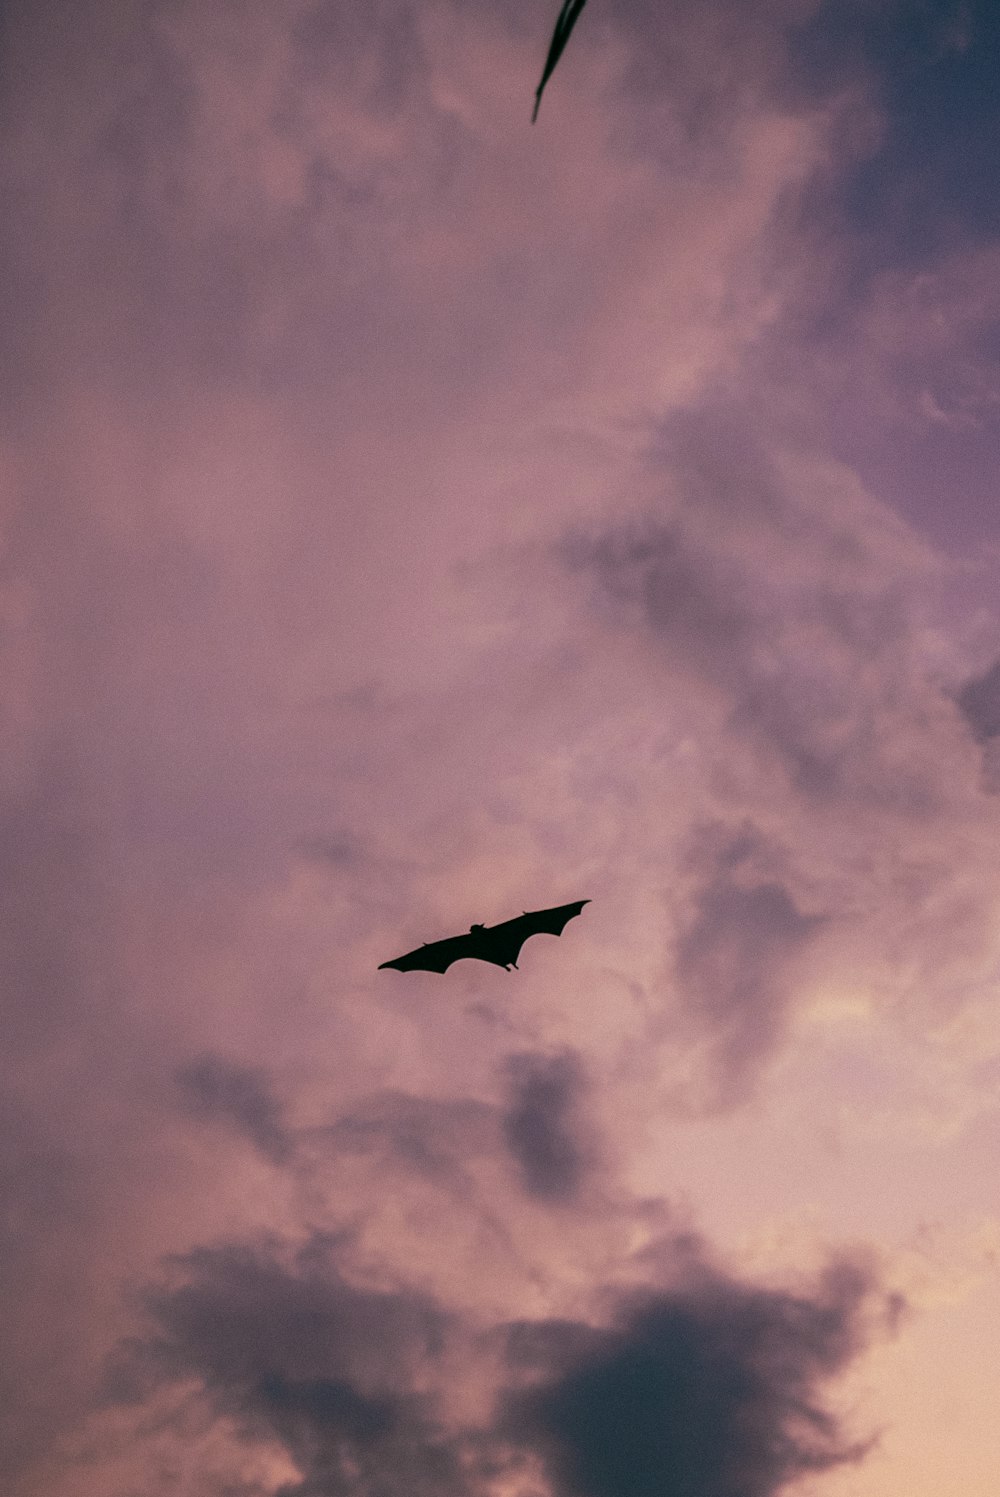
<point x="564" y="25"/>
<point x="499" y="944"/>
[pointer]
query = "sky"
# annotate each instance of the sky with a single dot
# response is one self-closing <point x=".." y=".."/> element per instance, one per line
<point x="413" y="516"/>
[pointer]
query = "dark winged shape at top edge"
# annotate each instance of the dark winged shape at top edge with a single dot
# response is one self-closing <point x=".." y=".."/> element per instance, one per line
<point x="564" y="25"/>
<point x="499" y="944"/>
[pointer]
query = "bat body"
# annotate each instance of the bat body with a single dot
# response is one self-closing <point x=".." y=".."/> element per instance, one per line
<point x="499" y="944"/>
<point x="564" y="25"/>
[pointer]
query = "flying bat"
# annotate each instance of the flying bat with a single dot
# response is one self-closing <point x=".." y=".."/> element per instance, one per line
<point x="564" y="25"/>
<point x="499" y="944"/>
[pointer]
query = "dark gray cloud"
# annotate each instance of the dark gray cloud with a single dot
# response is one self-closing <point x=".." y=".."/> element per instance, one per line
<point x="979" y="700"/>
<point x="218" y="1090"/>
<point x="709" y="1392"/>
<point x="349" y="1443"/>
<point x="284" y="1345"/>
<point x="928" y="178"/>
<point x="711" y="1388"/>
<point x="541" y="1126"/>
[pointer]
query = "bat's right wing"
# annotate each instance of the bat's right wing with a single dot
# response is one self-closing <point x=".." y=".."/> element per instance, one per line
<point x="507" y="939"/>
<point x="435" y="957"/>
<point x="564" y="25"/>
<point x="553" y="922"/>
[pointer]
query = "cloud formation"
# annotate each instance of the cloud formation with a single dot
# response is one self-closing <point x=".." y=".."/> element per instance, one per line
<point x="713" y="1390"/>
<point x="410" y="517"/>
<point x="540" y="1125"/>
<point x="214" y="1089"/>
<point x="733" y="963"/>
<point x="708" y="1387"/>
<point x="979" y="700"/>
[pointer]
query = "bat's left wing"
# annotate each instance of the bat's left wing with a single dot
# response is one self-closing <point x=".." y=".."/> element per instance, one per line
<point x="507" y="939"/>
<point x="564" y="25"/>
<point x="436" y="956"/>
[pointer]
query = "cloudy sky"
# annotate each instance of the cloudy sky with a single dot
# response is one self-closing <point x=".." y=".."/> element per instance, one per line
<point x="412" y="515"/>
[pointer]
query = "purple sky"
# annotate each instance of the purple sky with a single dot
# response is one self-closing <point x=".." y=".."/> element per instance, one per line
<point x="412" y="516"/>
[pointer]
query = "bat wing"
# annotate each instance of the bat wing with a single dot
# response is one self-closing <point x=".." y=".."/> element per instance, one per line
<point x="567" y="19"/>
<point x="507" y="939"/>
<point x="499" y="944"/>
<point x="435" y="957"/>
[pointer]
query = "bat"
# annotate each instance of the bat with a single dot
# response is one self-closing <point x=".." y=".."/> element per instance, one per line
<point x="564" y="25"/>
<point x="499" y="944"/>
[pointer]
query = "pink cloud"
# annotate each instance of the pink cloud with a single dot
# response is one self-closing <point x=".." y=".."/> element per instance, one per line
<point x="403" y="524"/>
